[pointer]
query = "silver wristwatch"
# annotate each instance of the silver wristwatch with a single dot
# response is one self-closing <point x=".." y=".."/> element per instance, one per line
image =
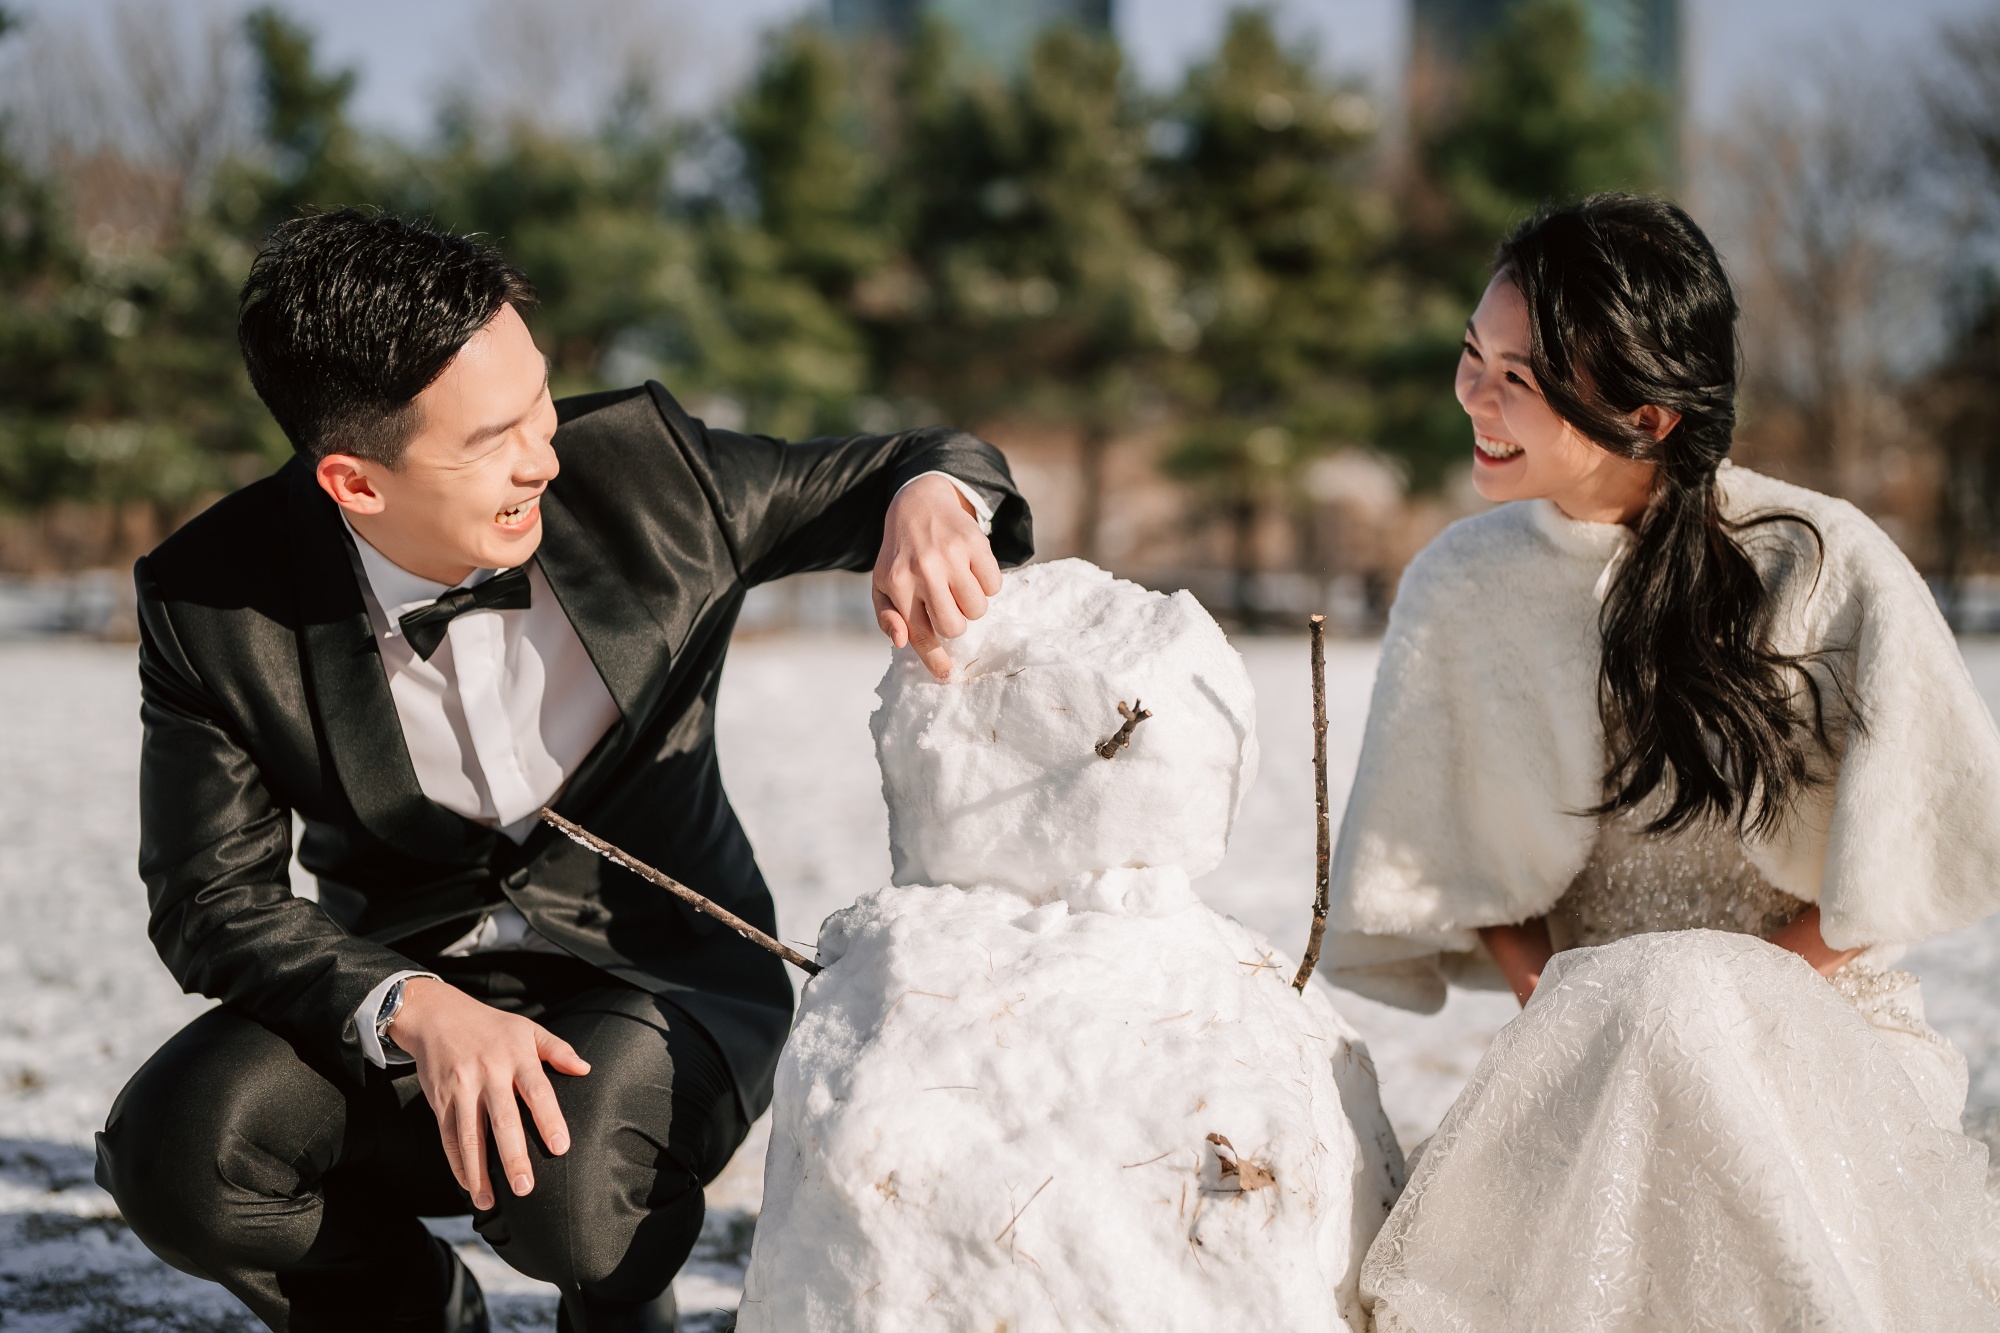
<point x="385" y="1017"/>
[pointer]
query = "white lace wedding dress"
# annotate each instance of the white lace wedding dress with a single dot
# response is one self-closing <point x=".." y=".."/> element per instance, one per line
<point x="1688" y="1129"/>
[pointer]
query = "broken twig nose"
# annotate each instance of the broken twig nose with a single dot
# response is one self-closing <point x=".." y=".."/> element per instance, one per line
<point x="1109" y="748"/>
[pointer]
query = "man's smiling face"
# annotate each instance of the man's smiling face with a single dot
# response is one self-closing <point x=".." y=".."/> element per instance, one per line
<point x="466" y="492"/>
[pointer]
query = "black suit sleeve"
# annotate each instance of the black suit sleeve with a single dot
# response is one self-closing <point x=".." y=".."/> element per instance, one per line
<point x="214" y="852"/>
<point x="820" y="504"/>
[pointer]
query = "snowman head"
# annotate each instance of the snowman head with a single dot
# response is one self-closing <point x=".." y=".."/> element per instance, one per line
<point x="998" y="776"/>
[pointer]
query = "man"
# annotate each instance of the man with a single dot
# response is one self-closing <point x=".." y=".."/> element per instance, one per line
<point x="460" y="602"/>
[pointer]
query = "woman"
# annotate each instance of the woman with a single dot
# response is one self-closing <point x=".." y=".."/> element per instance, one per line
<point x="1688" y="754"/>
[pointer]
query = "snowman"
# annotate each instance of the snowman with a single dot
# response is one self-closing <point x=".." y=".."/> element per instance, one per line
<point x="1039" y="1084"/>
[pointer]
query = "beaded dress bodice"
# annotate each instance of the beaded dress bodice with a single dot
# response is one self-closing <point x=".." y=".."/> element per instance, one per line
<point x="1696" y="879"/>
<point x="1700" y="879"/>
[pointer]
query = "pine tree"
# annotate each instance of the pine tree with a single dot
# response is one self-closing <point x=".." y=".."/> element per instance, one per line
<point x="1536" y="124"/>
<point x="1035" y="289"/>
<point x="313" y="156"/>
<point x="119" y="376"/>
<point x="1265" y="210"/>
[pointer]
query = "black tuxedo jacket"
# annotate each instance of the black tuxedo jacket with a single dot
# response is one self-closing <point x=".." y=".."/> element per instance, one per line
<point x="264" y="696"/>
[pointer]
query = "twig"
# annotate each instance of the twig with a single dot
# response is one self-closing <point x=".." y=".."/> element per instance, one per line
<point x="1108" y="749"/>
<point x="1022" y="1209"/>
<point x="906" y="995"/>
<point x="578" y="834"/>
<point x="1313" y="941"/>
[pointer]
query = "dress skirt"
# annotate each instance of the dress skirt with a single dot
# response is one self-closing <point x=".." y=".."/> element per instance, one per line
<point x="1694" y="1130"/>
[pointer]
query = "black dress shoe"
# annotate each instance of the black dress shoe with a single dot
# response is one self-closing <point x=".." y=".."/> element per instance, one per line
<point x="659" y="1315"/>
<point x="450" y="1301"/>
<point x="465" y="1307"/>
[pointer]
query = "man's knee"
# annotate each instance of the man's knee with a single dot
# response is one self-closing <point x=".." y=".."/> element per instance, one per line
<point x="615" y="1216"/>
<point x="211" y="1141"/>
<point x="653" y="1121"/>
<point x="659" y="1091"/>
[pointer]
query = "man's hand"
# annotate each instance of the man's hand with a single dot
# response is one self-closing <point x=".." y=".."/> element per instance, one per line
<point x="935" y="572"/>
<point x="471" y="1061"/>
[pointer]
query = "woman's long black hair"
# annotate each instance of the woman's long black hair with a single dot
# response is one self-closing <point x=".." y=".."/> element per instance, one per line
<point x="1628" y="305"/>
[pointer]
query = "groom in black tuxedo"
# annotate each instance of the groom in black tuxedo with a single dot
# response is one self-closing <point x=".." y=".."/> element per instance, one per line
<point x="458" y="602"/>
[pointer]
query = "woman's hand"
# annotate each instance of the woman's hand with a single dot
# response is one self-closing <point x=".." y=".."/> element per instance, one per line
<point x="1802" y="937"/>
<point x="935" y="571"/>
<point x="1520" y="952"/>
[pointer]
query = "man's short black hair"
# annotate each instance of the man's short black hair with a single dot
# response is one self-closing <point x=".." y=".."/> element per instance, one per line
<point x="348" y="315"/>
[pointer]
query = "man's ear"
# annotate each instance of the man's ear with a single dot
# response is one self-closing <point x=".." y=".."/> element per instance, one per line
<point x="350" y="482"/>
<point x="1657" y="422"/>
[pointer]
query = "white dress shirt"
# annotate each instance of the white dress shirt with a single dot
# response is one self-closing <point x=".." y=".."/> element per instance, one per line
<point x="506" y="708"/>
<point x="495" y="721"/>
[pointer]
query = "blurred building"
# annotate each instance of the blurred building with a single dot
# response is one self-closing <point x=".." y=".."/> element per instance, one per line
<point x="997" y="32"/>
<point x="1632" y="39"/>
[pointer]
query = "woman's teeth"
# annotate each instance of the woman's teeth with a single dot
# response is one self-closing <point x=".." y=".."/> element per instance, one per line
<point x="517" y="514"/>
<point x="1498" y="450"/>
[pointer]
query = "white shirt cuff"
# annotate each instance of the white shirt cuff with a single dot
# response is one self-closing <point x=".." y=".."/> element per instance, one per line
<point x="980" y="509"/>
<point x="366" y="1013"/>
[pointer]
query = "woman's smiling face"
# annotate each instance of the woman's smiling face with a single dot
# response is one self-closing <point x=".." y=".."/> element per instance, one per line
<point x="1521" y="450"/>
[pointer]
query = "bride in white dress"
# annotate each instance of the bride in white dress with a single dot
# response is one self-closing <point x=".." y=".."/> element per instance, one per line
<point x="1685" y="756"/>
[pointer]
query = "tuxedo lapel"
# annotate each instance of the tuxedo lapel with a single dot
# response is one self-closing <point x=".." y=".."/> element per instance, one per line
<point x="350" y="691"/>
<point x="626" y="644"/>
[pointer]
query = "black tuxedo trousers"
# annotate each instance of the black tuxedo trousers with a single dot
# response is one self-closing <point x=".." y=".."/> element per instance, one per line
<point x="246" y="1159"/>
<point x="265" y="700"/>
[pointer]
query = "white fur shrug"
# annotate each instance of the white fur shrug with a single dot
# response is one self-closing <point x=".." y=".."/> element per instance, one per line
<point x="1483" y="742"/>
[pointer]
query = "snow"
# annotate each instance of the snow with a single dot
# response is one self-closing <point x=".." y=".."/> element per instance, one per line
<point x="83" y="999"/>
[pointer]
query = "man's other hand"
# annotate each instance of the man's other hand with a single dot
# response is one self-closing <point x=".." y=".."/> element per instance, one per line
<point x="472" y="1062"/>
<point x="935" y="572"/>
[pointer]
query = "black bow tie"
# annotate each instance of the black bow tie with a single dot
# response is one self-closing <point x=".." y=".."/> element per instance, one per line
<point x="424" y="627"/>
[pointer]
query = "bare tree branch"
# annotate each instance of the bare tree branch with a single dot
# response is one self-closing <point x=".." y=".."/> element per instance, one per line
<point x="185" y="87"/>
<point x="132" y="110"/>
<point x="571" y="66"/>
<point x="1817" y="199"/>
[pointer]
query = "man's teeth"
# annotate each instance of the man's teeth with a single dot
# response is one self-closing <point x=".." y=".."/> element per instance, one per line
<point x="517" y="513"/>
<point x="1493" y="448"/>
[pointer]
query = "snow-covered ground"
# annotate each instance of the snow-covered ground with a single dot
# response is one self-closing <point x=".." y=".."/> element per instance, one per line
<point x="83" y="999"/>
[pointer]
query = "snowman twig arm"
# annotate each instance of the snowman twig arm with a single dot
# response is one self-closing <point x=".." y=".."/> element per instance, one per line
<point x="1320" y="883"/>
<point x="578" y="834"/>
